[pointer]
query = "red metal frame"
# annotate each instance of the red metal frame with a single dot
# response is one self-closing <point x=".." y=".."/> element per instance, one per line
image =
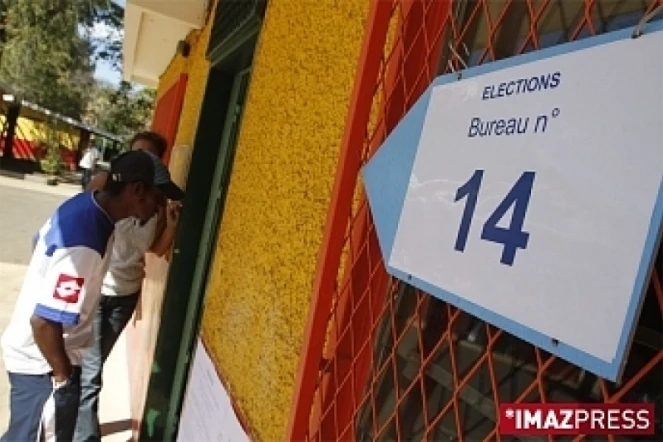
<point x="367" y="281"/>
<point x="339" y="211"/>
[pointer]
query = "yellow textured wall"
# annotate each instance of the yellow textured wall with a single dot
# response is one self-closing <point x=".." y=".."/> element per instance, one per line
<point x="265" y="260"/>
<point x="178" y="65"/>
<point x="196" y="67"/>
<point x="198" y="70"/>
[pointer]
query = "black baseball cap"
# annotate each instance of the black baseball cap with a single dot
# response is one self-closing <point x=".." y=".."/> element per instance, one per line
<point x="132" y="167"/>
<point x="163" y="180"/>
<point x="141" y="166"/>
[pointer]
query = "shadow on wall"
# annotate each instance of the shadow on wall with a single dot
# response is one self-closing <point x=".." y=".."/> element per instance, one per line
<point x="142" y="333"/>
<point x="110" y="428"/>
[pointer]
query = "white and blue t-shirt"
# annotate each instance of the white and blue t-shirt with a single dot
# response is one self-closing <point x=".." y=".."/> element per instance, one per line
<point x="62" y="283"/>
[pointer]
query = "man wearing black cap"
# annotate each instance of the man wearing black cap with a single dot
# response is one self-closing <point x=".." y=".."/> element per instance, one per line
<point x="51" y="327"/>
<point x="123" y="281"/>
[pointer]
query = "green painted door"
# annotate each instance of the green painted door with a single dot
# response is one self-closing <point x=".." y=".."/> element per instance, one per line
<point x="208" y="242"/>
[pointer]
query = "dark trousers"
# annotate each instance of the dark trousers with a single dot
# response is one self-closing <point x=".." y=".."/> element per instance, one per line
<point x="86" y="175"/>
<point x="38" y="412"/>
<point x="112" y="316"/>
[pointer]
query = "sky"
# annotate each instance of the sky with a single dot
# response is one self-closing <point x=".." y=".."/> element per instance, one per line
<point x="104" y="71"/>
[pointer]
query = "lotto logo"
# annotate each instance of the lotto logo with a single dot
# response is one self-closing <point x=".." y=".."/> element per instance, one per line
<point x="68" y="288"/>
<point x="558" y="418"/>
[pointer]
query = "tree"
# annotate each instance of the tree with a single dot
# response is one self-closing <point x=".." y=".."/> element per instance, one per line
<point x="122" y="110"/>
<point x="119" y="109"/>
<point x="44" y="57"/>
<point x="4" y="4"/>
<point x="52" y="140"/>
<point x="109" y="48"/>
<point x="48" y="52"/>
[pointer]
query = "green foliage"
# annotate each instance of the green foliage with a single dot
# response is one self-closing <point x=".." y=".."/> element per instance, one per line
<point x="48" y="52"/>
<point x="122" y="110"/>
<point x="4" y="4"/>
<point x="44" y="57"/>
<point x="52" y="141"/>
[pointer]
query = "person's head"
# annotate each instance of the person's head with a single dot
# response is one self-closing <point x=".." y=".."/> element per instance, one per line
<point x="150" y="142"/>
<point x="130" y="186"/>
<point x="142" y="183"/>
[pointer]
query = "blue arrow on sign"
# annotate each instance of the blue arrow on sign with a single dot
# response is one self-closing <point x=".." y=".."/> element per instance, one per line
<point x="387" y="175"/>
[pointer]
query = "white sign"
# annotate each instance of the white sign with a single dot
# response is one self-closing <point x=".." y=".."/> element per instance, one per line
<point x="208" y="414"/>
<point x="530" y="193"/>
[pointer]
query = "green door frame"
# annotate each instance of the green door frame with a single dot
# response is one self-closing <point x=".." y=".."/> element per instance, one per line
<point x="207" y="183"/>
<point x="201" y="274"/>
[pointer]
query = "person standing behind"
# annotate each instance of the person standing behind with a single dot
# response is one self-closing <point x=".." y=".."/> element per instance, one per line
<point x="51" y="326"/>
<point x="89" y="164"/>
<point x="122" y="284"/>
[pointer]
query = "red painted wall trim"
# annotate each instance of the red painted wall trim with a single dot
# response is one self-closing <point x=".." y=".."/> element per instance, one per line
<point x="167" y="113"/>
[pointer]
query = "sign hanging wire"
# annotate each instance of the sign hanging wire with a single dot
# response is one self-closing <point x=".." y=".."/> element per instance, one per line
<point x="458" y="57"/>
<point x="637" y="32"/>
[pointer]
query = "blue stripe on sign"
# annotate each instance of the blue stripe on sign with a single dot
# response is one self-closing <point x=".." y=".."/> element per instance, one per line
<point x="55" y="315"/>
<point x="387" y="175"/>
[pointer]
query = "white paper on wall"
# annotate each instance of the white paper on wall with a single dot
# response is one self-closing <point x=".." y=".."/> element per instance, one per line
<point x="207" y="412"/>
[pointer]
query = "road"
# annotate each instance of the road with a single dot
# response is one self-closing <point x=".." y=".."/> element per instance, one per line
<point x="24" y="207"/>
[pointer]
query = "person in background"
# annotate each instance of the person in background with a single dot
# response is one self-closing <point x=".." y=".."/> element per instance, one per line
<point x="122" y="284"/>
<point x="89" y="163"/>
<point x="51" y="326"/>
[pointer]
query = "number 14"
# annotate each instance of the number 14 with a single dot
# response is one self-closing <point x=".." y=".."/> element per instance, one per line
<point x="513" y="237"/>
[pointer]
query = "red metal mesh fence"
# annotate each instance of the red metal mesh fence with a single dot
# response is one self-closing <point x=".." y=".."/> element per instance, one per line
<point x="384" y="361"/>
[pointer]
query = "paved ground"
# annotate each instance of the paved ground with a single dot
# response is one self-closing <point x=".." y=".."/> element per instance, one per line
<point x="24" y="206"/>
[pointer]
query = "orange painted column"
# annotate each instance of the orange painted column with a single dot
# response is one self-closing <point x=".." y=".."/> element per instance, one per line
<point x="167" y="113"/>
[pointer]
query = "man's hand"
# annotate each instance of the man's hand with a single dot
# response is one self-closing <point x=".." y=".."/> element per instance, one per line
<point x="48" y="337"/>
<point x="173" y="213"/>
<point x="60" y="378"/>
<point x="166" y="230"/>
